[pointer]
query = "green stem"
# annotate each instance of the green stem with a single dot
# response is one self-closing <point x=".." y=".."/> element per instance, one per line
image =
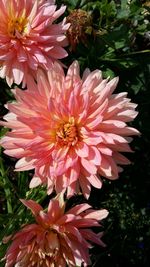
<point x="125" y="55"/>
<point x="135" y="53"/>
<point x="6" y="188"/>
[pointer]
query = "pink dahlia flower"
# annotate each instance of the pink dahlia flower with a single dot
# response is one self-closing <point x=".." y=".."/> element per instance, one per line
<point x="58" y="238"/>
<point x="29" y="38"/>
<point x="70" y="130"/>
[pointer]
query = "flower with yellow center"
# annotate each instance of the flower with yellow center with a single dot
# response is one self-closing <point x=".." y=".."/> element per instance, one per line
<point x="58" y="238"/>
<point x="70" y="130"/>
<point x="29" y="39"/>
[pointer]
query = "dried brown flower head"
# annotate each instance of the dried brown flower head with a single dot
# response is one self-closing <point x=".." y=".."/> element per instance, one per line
<point x="80" y="26"/>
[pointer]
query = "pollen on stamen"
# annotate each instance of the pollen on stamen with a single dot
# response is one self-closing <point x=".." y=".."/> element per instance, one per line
<point x="67" y="133"/>
<point x="17" y="25"/>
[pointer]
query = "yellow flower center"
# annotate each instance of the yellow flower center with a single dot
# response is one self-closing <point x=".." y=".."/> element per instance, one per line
<point x="17" y="25"/>
<point x="67" y="133"/>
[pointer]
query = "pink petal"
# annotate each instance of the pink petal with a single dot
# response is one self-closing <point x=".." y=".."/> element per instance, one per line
<point x="94" y="180"/>
<point x="97" y="215"/>
<point x="82" y="150"/>
<point x="78" y="209"/>
<point x="89" y="166"/>
<point x="32" y="205"/>
<point x="36" y="181"/>
<point x="24" y="164"/>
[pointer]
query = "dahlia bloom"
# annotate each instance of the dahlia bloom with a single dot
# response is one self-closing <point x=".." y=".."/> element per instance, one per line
<point x="70" y="130"/>
<point x="28" y="38"/>
<point x="58" y="238"/>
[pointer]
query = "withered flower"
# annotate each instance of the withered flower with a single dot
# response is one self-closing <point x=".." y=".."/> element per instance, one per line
<point x="80" y="26"/>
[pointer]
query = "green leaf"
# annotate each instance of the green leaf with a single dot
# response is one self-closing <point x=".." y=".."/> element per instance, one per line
<point x="124" y="11"/>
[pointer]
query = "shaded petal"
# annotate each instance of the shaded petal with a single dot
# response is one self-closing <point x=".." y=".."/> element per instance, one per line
<point x="78" y="209"/>
<point x="25" y="164"/>
<point x="82" y="149"/>
<point x="89" y="166"/>
<point x="97" y="215"/>
<point x="94" y="180"/>
<point x="85" y="186"/>
<point x="33" y="206"/>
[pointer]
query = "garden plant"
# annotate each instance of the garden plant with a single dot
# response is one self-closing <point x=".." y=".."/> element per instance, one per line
<point x="74" y="136"/>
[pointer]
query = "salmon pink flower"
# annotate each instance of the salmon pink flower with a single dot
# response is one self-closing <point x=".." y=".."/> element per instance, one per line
<point x="70" y="130"/>
<point x="58" y="238"/>
<point x="29" y="38"/>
